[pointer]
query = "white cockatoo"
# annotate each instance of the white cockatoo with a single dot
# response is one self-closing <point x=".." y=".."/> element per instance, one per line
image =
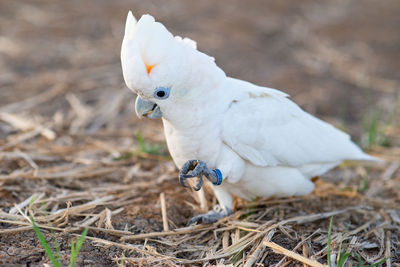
<point x="247" y="140"/>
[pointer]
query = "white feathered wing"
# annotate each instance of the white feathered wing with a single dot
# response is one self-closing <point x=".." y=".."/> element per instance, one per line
<point x="267" y="129"/>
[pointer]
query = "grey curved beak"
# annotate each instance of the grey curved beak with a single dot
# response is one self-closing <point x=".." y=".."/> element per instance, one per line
<point x="145" y="108"/>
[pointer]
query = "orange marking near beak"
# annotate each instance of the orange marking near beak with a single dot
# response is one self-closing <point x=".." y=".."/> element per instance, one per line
<point x="149" y="68"/>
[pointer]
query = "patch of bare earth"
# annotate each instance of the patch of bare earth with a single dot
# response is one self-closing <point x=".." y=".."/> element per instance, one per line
<point x="68" y="134"/>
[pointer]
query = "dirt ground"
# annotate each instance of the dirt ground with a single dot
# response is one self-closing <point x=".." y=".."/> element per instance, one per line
<point x="71" y="152"/>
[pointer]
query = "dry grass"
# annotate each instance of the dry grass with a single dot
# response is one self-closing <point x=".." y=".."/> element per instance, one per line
<point x="68" y="145"/>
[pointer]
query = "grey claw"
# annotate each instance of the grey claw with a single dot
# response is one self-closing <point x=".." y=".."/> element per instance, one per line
<point x="197" y="168"/>
<point x="182" y="179"/>
<point x="183" y="173"/>
<point x="211" y="216"/>
<point x="194" y="220"/>
<point x="199" y="183"/>
<point x="192" y="168"/>
<point x="190" y="175"/>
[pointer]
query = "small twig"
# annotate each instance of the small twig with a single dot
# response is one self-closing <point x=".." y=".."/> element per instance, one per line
<point x="14" y="217"/>
<point x="225" y="240"/>
<point x="153" y="253"/>
<point x="304" y="250"/>
<point x="21" y="138"/>
<point x="254" y="256"/>
<point x="180" y="231"/>
<point x="124" y="246"/>
<point x="390" y="171"/>
<point x="108" y="231"/>
<point x="108" y="222"/>
<point x="15" y="230"/>
<point x="388" y="247"/>
<point x="41" y="226"/>
<point x="77" y="173"/>
<point x="18" y="155"/>
<point x="302" y="242"/>
<point x="278" y="249"/>
<point x="102" y="215"/>
<point x="164" y="212"/>
<point x="35" y="197"/>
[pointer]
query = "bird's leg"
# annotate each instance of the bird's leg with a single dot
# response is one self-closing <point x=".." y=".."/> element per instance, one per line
<point x="211" y="216"/>
<point x="198" y="168"/>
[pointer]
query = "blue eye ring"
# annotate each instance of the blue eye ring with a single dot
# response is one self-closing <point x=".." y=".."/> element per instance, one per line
<point x="161" y="92"/>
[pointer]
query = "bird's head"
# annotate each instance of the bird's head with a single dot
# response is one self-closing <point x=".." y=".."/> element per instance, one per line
<point x="161" y="69"/>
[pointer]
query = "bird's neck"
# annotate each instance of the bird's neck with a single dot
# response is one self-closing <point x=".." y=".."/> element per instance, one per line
<point x="195" y="112"/>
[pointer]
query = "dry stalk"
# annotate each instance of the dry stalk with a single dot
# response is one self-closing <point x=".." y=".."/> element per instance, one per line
<point x="181" y="231"/>
<point x="278" y="249"/>
<point x="388" y="249"/>
<point x="164" y="212"/>
<point x="251" y="259"/>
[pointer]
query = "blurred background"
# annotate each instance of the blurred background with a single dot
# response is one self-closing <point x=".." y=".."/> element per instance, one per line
<point x="66" y="115"/>
<point x="336" y="59"/>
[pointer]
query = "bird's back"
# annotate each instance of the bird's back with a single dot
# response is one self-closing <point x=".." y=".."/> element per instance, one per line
<point x="266" y="128"/>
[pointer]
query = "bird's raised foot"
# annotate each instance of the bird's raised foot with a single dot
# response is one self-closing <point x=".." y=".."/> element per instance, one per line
<point x="211" y="216"/>
<point x="197" y="168"/>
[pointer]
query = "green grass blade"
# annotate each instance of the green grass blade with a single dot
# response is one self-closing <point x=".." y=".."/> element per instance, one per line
<point x="53" y="234"/>
<point x="343" y="256"/>
<point x="81" y="240"/>
<point x="342" y="260"/>
<point x="140" y="139"/>
<point x="360" y="264"/>
<point x="364" y="185"/>
<point x="328" y="253"/>
<point x="377" y="263"/>
<point x="56" y="244"/>
<point x="72" y="248"/>
<point x="44" y="243"/>
<point x="148" y="148"/>
<point x="122" y="263"/>
<point x="75" y="249"/>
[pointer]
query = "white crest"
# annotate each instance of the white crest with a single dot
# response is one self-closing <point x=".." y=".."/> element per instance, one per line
<point x="186" y="41"/>
<point x="130" y="26"/>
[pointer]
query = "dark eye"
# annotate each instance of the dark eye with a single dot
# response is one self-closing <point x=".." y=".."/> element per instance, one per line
<point x="161" y="93"/>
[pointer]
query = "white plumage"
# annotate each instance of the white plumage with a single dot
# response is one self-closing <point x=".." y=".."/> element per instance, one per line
<point x="262" y="142"/>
